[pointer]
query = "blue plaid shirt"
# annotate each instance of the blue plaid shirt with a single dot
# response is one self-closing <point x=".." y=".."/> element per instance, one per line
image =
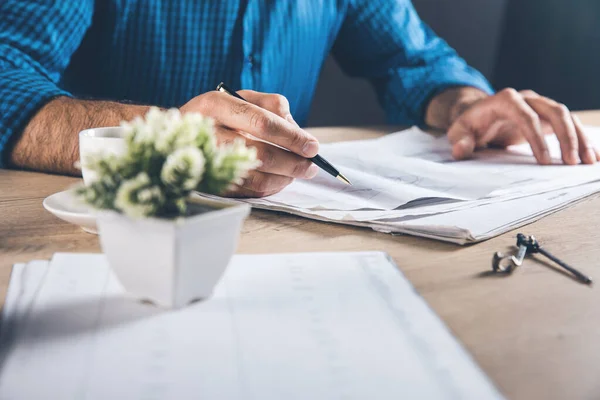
<point x="165" y="52"/>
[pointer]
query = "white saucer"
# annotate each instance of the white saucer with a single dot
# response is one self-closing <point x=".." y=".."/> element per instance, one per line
<point x="65" y="206"/>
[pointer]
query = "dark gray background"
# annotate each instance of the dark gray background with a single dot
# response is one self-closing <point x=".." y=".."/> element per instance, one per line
<point x="551" y="46"/>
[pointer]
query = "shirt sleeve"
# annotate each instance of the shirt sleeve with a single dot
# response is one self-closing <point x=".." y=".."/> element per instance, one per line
<point x="37" y="40"/>
<point x="386" y="42"/>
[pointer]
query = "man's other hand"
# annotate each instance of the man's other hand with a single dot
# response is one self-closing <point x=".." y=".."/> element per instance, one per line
<point x="512" y="117"/>
<point x="263" y="122"/>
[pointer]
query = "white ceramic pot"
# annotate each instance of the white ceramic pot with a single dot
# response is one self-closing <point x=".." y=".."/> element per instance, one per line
<point x="172" y="262"/>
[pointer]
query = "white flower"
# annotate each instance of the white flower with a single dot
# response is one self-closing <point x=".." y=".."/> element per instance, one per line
<point x="235" y="159"/>
<point x="168" y="154"/>
<point x="201" y="125"/>
<point x="183" y="169"/>
<point x="138" y="131"/>
<point x="191" y="129"/>
<point x="157" y="118"/>
<point x="149" y="194"/>
<point x="102" y="163"/>
<point x="137" y="198"/>
<point x="174" y="135"/>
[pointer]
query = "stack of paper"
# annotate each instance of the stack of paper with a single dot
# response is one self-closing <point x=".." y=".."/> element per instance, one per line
<point x="407" y="182"/>
<point x="296" y="326"/>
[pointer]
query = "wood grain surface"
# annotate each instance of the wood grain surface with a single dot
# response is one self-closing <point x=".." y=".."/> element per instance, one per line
<point x="535" y="333"/>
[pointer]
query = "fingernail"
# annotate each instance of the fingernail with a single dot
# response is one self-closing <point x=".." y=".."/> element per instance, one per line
<point x="466" y="143"/>
<point x="463" y="148"/>
<point x="311" y="172"/>
<point x="311" y="148"/>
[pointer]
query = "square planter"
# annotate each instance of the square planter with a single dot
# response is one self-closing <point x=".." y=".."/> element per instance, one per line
<point x="172" y="262"/>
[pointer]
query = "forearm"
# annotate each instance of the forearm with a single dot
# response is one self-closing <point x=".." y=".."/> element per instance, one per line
<point x="50" y="143"/>
<point x="447" y="106"/>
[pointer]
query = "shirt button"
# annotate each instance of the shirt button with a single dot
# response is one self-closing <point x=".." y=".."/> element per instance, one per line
<point x="250" y="60"/>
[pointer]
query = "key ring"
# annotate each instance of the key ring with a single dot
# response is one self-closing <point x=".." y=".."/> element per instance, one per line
<point x="504" y="263"/>
<point x="507" y="263"/>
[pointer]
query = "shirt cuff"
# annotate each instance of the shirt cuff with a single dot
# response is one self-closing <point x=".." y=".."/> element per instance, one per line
<point x="420" y="90"/>
<point x="22" y="94"/>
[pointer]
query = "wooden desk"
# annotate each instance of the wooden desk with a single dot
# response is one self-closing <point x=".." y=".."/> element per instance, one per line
<point x="536" y="334"/>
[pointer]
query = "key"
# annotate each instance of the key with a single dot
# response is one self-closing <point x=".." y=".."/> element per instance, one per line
<point x="523" y="245"/>
<point x="533" y="247"/>
<point x="502" y="263"/>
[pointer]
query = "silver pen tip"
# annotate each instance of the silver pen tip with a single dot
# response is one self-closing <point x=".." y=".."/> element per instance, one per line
<point x="344" y="179"/>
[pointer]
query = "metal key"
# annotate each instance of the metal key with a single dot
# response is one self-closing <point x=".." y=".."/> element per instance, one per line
<point x="533" y="247"/>
<point x="507" y="263"/>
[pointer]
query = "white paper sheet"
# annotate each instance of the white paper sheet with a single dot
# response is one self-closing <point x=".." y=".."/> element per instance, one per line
<point x="25" y="280"/>
<point x="407" y="182"/>
<point x="296" y="326"/>
<point x="492" y="219"/>
<point x="462" y="225"/>
<point x="382" y="179"/>
<point x="402" y="167"/>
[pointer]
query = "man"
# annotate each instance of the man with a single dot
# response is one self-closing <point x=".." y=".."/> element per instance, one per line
<point x="67" y="66"/>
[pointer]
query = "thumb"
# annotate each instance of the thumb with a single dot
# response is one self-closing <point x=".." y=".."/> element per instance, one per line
<point x="462" y="139"/>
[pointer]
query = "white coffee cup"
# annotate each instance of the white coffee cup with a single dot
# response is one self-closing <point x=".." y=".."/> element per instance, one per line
<point x="105" y="140"/>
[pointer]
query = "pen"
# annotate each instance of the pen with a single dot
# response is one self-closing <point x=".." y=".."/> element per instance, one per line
<point x="318" y="160"/>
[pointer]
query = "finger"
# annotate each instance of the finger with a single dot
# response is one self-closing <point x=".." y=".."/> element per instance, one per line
<point x="528" y="94"/>
<point x="562" y="123"/>
<point x="546" y="126"/>
<point x="511" y="104"/>
<point x="273" y="159"/>
<point x="263" y="124"/>
<point x="501" y="133"/>
<point x="263" y="183"/>
<point x="587" y="152"/>
<point x="462" y="139"/>
<point x="273" y="102"/>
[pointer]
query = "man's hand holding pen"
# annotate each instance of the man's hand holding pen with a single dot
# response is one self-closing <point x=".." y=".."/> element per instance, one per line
<point x="472" y="119"/>
<point x="267" y="118"/>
